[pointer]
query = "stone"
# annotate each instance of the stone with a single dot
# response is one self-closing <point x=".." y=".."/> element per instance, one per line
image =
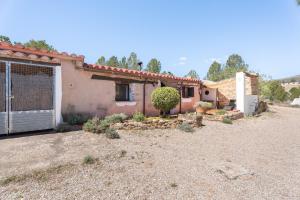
<point x="199" y="119"/>
<point x="232" y="171"/>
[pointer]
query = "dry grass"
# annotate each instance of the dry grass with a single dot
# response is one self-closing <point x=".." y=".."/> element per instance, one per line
<point x="37" y="175"/>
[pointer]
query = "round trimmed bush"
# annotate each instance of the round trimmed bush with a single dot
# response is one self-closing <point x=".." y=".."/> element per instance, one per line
<point x="165" y="98"/>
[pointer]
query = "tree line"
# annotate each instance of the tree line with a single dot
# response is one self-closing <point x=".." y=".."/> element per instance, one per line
<point x="38" y="44"/>
<point x="132" y="62"/>
<point x="234" y="64"/>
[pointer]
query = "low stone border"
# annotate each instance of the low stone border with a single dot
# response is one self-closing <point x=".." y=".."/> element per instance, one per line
<point x="231" y="115"/>
<point x="157" y="123"/>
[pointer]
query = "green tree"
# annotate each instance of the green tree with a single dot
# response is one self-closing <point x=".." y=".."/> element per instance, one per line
<point x="4" y="39"/>
<point x="273" y="91"/>
<point x="165" y="98"/>
<point x="113" y="62"/>
<point x="298" y="1"/>
<point x="215" y="72"/>
<point x="133" y="61"/>
<point x="39" y="44"/>
<point x="234" y="64"/>
<point x="101" y="61"/>
<point x="154" y="66"/>
<point x="192" y="74"/>
<point x="123" y="63"/>
<point x="168" y="73"/>
<point x="294" y="93"/>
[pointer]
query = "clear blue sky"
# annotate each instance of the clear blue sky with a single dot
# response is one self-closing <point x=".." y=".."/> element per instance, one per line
<point x="183" y="35"/>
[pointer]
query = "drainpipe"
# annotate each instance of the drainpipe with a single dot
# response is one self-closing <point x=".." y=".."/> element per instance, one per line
<point x="144" y="97"/>
<point x="180" y="98"/>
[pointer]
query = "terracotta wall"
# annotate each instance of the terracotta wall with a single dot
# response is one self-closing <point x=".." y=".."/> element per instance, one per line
<point x="81" y="94"/>
<point x="187" y="104"/>
<point x="252" y="87"/>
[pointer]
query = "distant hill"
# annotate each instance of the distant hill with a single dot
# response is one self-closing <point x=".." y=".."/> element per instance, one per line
<point x="290" y="79"/>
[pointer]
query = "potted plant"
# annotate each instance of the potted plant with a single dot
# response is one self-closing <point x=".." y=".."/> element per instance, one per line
<point x="203" y="107"/>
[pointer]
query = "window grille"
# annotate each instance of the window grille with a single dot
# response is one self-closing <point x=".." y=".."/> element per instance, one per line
<point x="31" y="87"/>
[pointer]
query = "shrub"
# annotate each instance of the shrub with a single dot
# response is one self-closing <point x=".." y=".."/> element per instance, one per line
<point x="96" y="125"/>
<point x="165" y="98"/>
<point x="186" y="127"/>
<point x="138" y="117"/>
<point x="226" y="120"/>
<point x="115" y="118"/>
<point x="273" y="90"/>
<point x="76" y="118"/>
<point x="104" y="124"/>
<point x="221" y="112"/>
<point x="294" y="93"/>
<point x="203" y="104"/>
<point x="88" y="160"/>
<point x="91" y="125"/>
<point x="112" y="133"/>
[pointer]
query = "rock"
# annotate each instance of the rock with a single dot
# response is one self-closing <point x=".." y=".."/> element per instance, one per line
<point x="232" y="171"/>
<point x="262" y="107"/>
<point x="296" y="102"/>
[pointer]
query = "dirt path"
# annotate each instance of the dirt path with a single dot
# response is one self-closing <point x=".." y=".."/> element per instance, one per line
<point x="255" y="158"/>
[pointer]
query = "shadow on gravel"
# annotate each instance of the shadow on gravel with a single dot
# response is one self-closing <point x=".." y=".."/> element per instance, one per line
<point x="26" y="134"/>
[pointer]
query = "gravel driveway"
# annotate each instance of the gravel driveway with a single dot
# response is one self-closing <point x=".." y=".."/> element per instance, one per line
<point x="255" y="158"/>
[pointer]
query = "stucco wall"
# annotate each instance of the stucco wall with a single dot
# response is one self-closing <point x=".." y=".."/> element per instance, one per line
<point x="211" y="96"/>
<point x="81" y="94"/>
<point x="187" y="104"/>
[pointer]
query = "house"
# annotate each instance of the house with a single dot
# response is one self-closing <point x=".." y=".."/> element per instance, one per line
<point x="37" y="87"/>
<point x="241" y="91"/>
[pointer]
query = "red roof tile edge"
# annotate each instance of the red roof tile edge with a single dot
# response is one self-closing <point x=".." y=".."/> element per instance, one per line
<point x="41" y="52"/>
<point x="138" y="73"/>
<point x="54" y="54"/>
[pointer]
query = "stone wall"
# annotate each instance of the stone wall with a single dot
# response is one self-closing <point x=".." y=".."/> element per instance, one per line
<point x="227" y="88"/>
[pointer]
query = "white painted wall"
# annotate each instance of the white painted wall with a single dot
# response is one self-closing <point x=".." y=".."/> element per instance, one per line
<point x="240" y="91"/>
<point x="244" y="103"/>
<point x="212" y="96"/>
<point x="251" y="102"/>
<point x="58" y="95"/>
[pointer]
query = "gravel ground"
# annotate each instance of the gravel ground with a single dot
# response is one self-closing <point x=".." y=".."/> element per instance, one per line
<point x="255" y="158"/>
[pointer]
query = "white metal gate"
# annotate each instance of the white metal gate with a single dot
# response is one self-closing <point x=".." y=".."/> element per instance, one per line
<point x="26" y="97"/>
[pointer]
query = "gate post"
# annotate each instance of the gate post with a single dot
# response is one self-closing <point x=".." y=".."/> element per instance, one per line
<point x="58" y="95"/>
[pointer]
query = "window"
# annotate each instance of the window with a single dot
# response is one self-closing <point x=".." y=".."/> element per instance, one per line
<point x="187" y="92"/>
<point x="122" y="92"/>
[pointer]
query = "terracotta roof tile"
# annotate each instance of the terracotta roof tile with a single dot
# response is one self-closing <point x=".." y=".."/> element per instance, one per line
<point x="138" y="73"/>
<point x="19" y="51"/>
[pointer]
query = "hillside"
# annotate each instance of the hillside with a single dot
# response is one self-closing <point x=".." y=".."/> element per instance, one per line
<point x="290" y="79"/>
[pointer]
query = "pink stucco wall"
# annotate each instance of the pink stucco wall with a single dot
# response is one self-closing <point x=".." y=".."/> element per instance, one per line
<point x="81" y="94"/>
